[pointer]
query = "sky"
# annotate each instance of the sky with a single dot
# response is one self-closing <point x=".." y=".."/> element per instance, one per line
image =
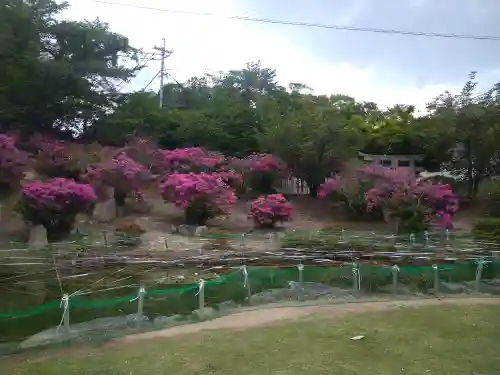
<point x="383" y="68"/>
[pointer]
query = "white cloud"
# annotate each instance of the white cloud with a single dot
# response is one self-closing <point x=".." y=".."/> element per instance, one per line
<point x="203" y="44"/>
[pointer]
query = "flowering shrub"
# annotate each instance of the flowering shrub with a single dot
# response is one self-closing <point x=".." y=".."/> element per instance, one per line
<point x="12" y="161"/>
<point x="123" y="174"/>
<point x="414" y="201"/>
<point x="191" y="159"/>
<point x="201" y="195"/>
<point x="60" y="159"/>
<point x="144" y="151"/>
<point x="261" y="171"/>
<point x="231" y="178"/>
<point x="55" y="204"/>
<point x="350" y="189"/>
<point x="267" y="210"/>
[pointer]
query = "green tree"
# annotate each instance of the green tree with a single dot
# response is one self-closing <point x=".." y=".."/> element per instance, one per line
<point x="312" y="139"/>
<point x="56" y="74"/>
<point x="473" y="123"/>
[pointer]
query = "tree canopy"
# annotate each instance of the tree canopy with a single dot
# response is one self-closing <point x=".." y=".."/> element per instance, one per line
<point x="62" y="77"/>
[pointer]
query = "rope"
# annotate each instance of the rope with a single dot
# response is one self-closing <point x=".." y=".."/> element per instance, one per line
<point x="245" y="275"/>
<point x="201" y="287"/>
<point x="65" y="305"/>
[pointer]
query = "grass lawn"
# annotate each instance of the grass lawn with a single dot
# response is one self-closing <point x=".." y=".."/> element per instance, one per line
<point x="420" y="340"/>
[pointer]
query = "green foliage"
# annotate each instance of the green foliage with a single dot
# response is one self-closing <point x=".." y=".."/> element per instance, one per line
<point x="312" y="139"/>
<point x="487" y="229"/>
<point x="55" y="71"/>
<point x="57" y="75"/>
<point x="494" y="203"/>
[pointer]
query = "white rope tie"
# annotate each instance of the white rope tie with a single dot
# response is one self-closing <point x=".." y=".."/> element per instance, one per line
<point x="244" y="271"/>
<point x="201" y="286"/>
<point x="480" y="267"/>
<point x="142" y="291"/>
<point x="356" y="273"/>
<point x="65" y="305"/>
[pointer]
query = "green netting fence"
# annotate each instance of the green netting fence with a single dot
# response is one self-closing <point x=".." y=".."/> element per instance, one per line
<point x="81" y="317"/>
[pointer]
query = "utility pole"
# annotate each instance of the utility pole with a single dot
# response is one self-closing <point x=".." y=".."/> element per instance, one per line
<point x="164" y="55"/>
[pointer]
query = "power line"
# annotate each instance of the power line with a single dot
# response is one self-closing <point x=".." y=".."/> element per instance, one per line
<point x="310" y="24"/>
<point x="140" y="54"/>
<point x="141" y="64"/>
<point x="150" y="82"/>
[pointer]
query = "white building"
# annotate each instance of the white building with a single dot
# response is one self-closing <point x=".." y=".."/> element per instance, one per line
<point x="395" y="161"/>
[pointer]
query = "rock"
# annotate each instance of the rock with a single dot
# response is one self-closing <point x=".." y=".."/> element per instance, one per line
<point x="8" y="348"/>
<point x="30" y="176"/>
<point x="120" y="211"/>
<point x="316" y="290"/>
<point x="273" y="295"/>
<point x="38" y="237"/>
<point x="486" y="286"/>
<point x="400" y="289"/>
<point x="200" y="231"/>
<point x="187" y="230"/>
<point x="227" y="305"/>
<point x="141" y="207"/>
<point x="105" y="211"/>
<point x="161" y="321"/>
<point x="81" y="224"/>
<point x="386" y="214"/>
<point x="452" y="288"/>
<point x="208" y="246"/>
<point x="82" y="331"/>
<point x="207" y="313"/>
<point x="274" y="241"/>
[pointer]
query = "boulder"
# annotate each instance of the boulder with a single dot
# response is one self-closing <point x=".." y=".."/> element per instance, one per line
<point x="99" y="327"/>
<point x="105" y="211"/>
<point x="38" y="237"/>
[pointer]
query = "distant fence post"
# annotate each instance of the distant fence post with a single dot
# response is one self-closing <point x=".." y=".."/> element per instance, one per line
<point x="300" y="267"/>
<point x="140" y="305"/>
<point x="395" y="271"/>
<point x="435" y="270"/>
<point x="105" y="238"/>
<point x="479" y="274"/>
<point x="275" y="241"/>
<point x="356" y="278"/>
<point x="201" y="296"/>
<point x="242" y="244"/>
<point x="65" y="306"/>
<point x="246" y="282"/>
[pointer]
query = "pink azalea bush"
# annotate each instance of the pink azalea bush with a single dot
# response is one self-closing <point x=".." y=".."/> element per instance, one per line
<point x="231" y="178"/>
<point x="144" y="151"/>
<point x="414" y="201"/>
<point x="201" y="195"/>
<point x="350" y="188"/>
<point x="55" y="204"/>
<point x="12" y="162"/>
<point x="267" y="210"/>
<point x="121" y="173"/>
<point x="55" y="158"/>
<point x="191" y="159"/>
<point x="261" y="171"/>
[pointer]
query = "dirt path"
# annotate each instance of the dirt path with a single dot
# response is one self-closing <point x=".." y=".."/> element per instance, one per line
<point x="254" y="318"/>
